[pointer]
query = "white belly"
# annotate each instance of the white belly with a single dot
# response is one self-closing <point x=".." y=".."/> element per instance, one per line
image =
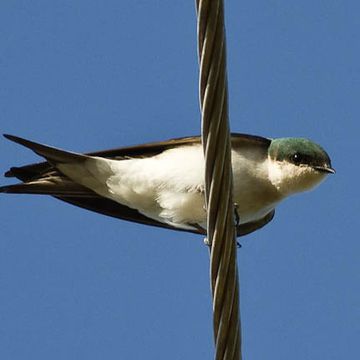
<point x="169" y="187"/>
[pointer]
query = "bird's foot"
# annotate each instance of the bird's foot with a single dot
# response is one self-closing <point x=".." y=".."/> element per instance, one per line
<point x="207" y="242"/>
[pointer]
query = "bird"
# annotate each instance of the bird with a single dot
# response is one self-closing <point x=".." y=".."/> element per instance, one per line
<point x="162" y="183"/>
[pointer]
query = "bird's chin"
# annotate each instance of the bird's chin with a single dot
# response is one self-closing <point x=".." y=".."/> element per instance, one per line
<point x="290" y="179"/>
<point x="310" y="180"/>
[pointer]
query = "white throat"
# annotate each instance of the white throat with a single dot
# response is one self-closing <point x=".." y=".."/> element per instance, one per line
<point x="289" y="178"/>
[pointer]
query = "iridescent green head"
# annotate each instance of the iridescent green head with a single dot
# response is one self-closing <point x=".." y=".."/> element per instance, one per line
<point x="300" y="152"/>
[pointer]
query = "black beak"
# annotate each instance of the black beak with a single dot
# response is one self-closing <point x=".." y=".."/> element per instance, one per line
<point x="325" y="169"/>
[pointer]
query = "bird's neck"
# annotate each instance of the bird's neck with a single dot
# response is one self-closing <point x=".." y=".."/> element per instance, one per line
<point x="253" y="190"/>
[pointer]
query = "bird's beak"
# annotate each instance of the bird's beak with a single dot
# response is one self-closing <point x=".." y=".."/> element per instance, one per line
<point x="325" y="169"/>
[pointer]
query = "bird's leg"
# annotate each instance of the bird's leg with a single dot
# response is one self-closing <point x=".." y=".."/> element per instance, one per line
<point x="237" y="221"/>
<point x="236" y="214"/>
<point x="206" y="239"/>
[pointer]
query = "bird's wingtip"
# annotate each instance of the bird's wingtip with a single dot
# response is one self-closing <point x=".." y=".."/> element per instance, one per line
<point x="7" y="136"/>
<point x="16" y="139"/>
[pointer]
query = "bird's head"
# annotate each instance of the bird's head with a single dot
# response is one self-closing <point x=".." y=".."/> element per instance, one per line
<point x="297" y="164"/>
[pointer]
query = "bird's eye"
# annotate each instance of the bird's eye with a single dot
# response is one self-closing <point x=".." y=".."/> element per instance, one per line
<point x="296" y="158"/>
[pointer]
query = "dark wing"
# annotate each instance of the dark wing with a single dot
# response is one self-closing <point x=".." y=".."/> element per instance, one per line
<point x="250" y="227"/>
<point x="43" y="178"/>
<point x="143" y="150"/>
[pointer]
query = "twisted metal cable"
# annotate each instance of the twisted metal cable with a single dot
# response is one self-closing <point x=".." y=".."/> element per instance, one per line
<point x="218" y="179"/>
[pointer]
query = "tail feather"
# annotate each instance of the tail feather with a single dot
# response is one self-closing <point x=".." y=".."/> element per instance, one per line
<point x="44" y="178"/>
<point x="52" y="154"/>
<point x="54" y="187"/>
<point x="51" y="177"/>
<point x="26" y="173"/>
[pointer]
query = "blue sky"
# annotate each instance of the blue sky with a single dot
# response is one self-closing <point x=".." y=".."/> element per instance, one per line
<point x="91" y="75"/>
